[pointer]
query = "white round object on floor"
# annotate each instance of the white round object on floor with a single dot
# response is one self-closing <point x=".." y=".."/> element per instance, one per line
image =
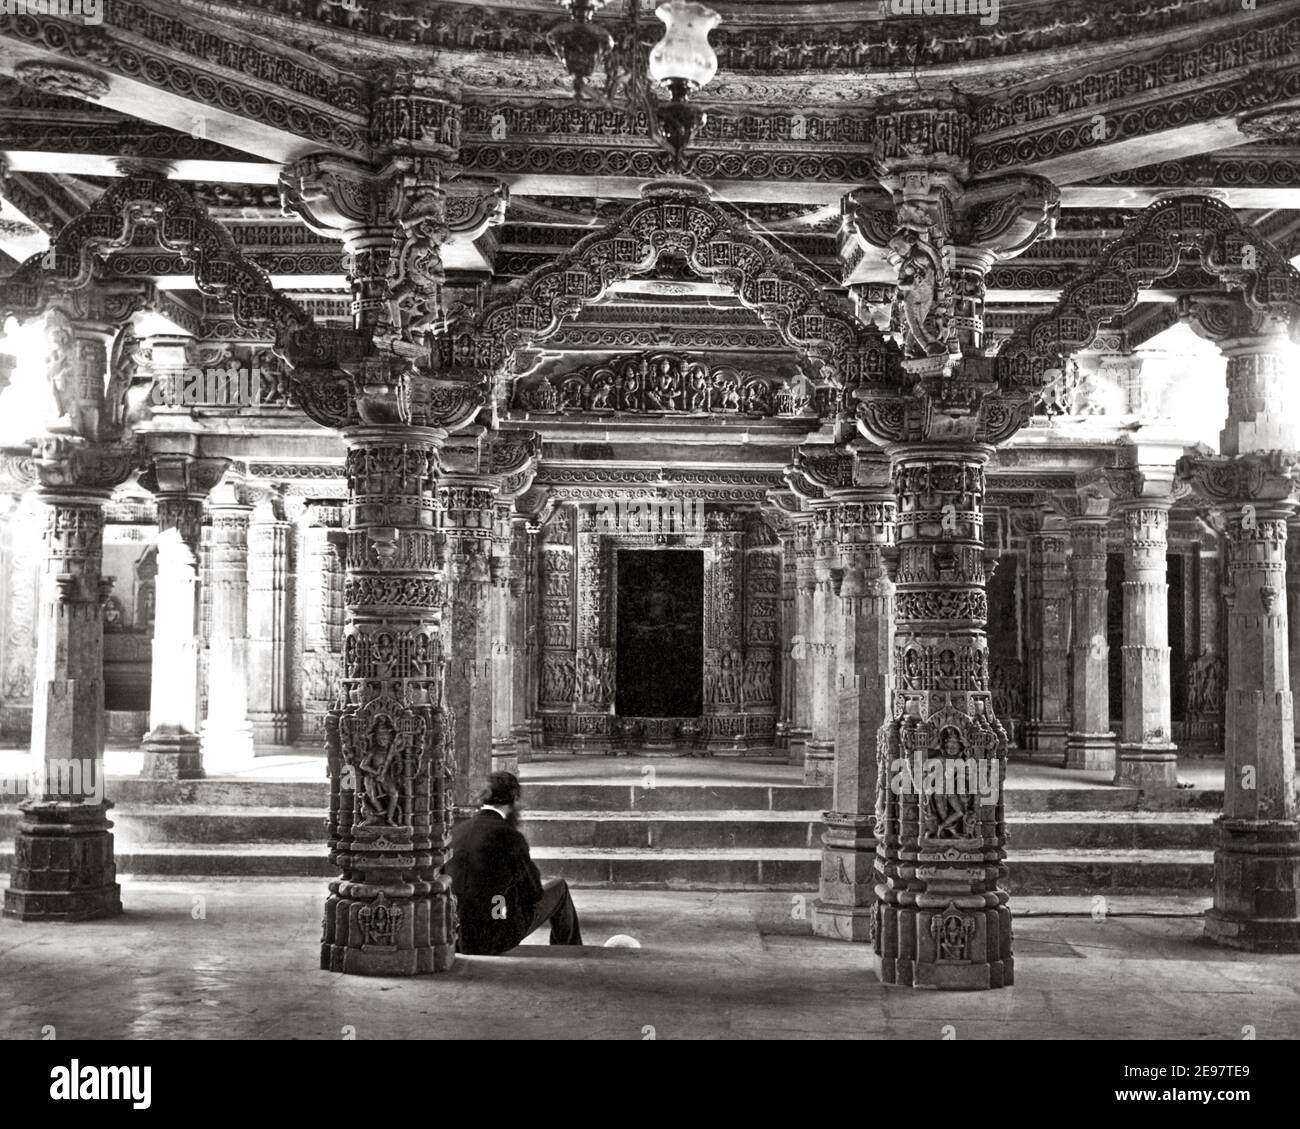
<point x="622" y="941"/>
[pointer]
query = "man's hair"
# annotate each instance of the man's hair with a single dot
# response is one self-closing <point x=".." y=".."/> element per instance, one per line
<point x="502" y="789"/>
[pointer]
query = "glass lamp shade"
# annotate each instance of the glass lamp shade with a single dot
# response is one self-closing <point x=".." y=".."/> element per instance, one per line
<point x="684" y="54"/>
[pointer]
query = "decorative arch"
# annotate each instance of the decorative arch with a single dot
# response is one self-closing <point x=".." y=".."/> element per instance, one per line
<point x="144" y="200"/>
<point x="1153" y="246"/>
<point x="675" y="218"/>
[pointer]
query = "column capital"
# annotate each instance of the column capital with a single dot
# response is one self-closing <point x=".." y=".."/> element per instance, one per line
<point x="1154" y="486"/>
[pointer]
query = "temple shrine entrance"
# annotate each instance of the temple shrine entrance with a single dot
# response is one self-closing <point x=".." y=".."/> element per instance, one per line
<point x="659" y="629"/>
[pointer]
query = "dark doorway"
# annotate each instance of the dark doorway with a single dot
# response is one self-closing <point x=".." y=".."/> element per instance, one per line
<point x="1115" y="637"/>
<point x="660" y="629"/>
<point x="1177" y="639"/>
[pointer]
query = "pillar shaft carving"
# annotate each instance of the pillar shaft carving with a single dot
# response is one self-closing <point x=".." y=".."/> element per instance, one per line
<point x="823" y="646"/>
<point x="63" y="867"/>
<point x="1049" y="642"/>
<point x="392" y="912"/>
<point x="269" y="547"/>
<point x="1090" y="744"/>
<point x="227" y="736"/>
<point x="865" y="524"/>
<point x="943" y="920"/>
<point x="1257" y="860"/>
<point x="801" y="652"/>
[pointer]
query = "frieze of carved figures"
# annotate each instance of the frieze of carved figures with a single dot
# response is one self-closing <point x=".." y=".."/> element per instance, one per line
<point x="660" y="383"/>
<point x="389" y="654"/>
<point x="746" y="47"/>
<point x="1205" y="687"/>
<point x="383" y="741"/>
<point x="1166" y="235"/>
<point x="716" y="247"/>
<point x="756" y="681"/>
<point x="952" y="931"/>
<point x="941" y="667"/>
<point x="594" y="676"/>
<point x="559" y="678"/>
<point x="723" y="676"/>
<point x="1006" y="682"/>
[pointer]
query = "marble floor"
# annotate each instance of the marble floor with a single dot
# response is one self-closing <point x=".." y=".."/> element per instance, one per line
<point x="238" y="959"/>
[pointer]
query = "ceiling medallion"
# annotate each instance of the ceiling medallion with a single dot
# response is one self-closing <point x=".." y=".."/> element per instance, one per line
<point x="681" y="63"/>
<point x="62" y="81"/>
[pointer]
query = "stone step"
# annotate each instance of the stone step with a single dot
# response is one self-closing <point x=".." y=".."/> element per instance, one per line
<point x="129" y="792"/>
<point x="1032" y="871"/>
<point x="183" y="825"/>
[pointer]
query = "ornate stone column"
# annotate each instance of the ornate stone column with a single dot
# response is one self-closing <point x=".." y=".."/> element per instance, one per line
<point x="392" y="913"/>
<point x="227" y="734"/>
<point x="505" y="755"/>
<point x="557" y="566"/>
<point x="180" y="481"/>
<point x="785" y="708"/>
<point x="63" y="867"/>
<point x="521" y="630"/>
<point x="1048" y="639"/>
<point x="940" y="412"/>
<point x="1143" y="496"/>
<point x="1089" y="744"/>
<point x="1257" y="862"/>
<point x="724" y="631"/>
<point x="801" y="677"/>
<point x="845" y="906"/>
<point x="819" y="757"/>
<point x="269" y="542"/>
<point x="467" y="505"/>
<point x="1293" y="600"/>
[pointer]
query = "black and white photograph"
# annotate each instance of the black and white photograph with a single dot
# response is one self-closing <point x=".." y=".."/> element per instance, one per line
<point x="654" y="521"/>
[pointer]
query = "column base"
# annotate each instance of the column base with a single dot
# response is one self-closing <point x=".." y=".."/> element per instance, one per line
<point x="171" y="756"/>
<point x="270" y="729"/>
<point x="505" y="755"/>
<point x="819" y="762"/>
<point x="1256" y="886"/>
<point x="845" y="908"/>
<point x="523" y="740"/>
<point x="372" y="930"/>
<point x="1092" y="751"/>
<point x="912" y="954"/>
<point x="1046" y="738"/>
<point x="1152" y="767"/>
<point x="63" y="867"/>
<point x="797" y="746"/>
<point x="227" y="749"/>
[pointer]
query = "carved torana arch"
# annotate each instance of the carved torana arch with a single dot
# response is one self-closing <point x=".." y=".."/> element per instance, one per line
<point x="676" y="218"/>
<point x="143" y="199"/>
<point x="1154" y="245"/>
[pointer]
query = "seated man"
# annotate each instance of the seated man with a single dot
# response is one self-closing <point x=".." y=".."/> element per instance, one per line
<point x="499" y="890"/>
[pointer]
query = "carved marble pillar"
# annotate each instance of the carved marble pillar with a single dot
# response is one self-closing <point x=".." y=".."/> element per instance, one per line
<point x="22" y="526"/>
<point x="556" y="687"/>
<point x="467" y="505"/>
<point x="1293" y="601"/>
<point x="1090" y="744"/>
<point x="801" y="676"/>
<point x="759" y="681"/>
<point x="392" y="912"/>
<point x="1257" y="861"/>
<point x="819" y="757"/>
<point x="504" y="612"/>
<point x="180" y="483"/>
<point x="1049" y="642"/>
<point x="269" y="539"/>
<point x="864" y="522"/>
<point x="944" y="922"/>
<point x="522" y="632"/>
<point x="534" y="635"/>
<point x="724" y="638"/>
<point x="227" y="734"/>
<point x="63" y="868"/>
<point x="1147" y="755"/>
<point x="785" y="712"/>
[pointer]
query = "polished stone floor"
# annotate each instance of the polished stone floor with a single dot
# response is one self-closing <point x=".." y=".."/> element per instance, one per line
<point x="237" y="959"/>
